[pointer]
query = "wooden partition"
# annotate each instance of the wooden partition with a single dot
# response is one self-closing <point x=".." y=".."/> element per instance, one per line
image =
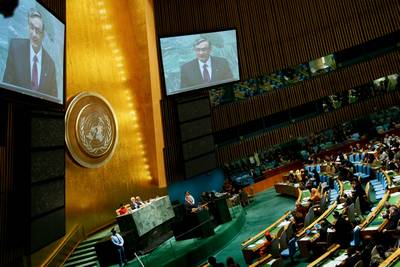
<point x="304" y="128"/>
<point x="277" y="34"/>
<point x="237" y="113"/>
<point x="273" y="35"/>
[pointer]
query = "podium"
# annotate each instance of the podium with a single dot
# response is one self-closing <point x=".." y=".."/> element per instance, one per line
<point x="192" y="225"/>
<point x="219" y="209"/>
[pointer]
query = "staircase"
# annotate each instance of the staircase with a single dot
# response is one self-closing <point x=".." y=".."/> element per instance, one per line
<point x="84" y="255"/>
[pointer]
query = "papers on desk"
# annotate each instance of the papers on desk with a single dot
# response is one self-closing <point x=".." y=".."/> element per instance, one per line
<point x="260" y="241"/>
<point x="396" y="177"/>
<point x="337" y="261"/>
<point x="371" y="228"/>
<point x="284" y="223"/>
<point x="395" y="194"/>
<point x="348" y="192"/>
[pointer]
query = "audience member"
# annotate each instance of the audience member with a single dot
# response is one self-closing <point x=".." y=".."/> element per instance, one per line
<point x="315" y="196"/>
<point x="266" y="245"/>
<point x="122" y="210"/>
<point x="230" y="262"/>
<point x="213" y="262"/>
<point x="138" y="201"/>
<point x="118" y="242"/>
<point x="190" y="203"/>
<point x="343" y="230"/>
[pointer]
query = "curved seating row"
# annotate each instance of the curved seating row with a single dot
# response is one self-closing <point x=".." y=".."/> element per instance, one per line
<point x="362" y="170"/>
<point x="380" y="184"/>
<point x="356" y="157"/>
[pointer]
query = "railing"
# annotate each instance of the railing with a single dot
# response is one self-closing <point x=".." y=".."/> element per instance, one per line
<point x="65" y="248"/>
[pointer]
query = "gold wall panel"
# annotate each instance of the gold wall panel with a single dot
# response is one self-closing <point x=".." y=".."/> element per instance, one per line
<point x="108" y="53"/>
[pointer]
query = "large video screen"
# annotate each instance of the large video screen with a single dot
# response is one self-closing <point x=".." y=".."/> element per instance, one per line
<point x="200" y="60"/>
<point x="32" y="52"/>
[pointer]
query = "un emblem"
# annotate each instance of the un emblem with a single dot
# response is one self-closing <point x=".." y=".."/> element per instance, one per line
<point x="91" y="130"/>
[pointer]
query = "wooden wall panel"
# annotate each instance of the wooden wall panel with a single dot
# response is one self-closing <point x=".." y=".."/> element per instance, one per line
<point x="276" y="34"/>
<point x="305" y="92"/>
<point x="304" y="128"/>
<point x="11" y="250"/>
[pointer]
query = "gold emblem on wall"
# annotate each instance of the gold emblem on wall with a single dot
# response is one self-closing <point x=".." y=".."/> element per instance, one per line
<point x="91" y="130"/>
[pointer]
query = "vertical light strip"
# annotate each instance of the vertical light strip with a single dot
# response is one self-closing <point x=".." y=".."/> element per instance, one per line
<point x="137" y="147"/>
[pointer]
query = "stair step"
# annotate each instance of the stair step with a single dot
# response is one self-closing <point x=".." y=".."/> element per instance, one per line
<point x="88" y="264"/>
<point x="86" y="244"/>
<point x="81" y="256"/>
<point x="79" y="250"/>
<point x="81" y="261"/>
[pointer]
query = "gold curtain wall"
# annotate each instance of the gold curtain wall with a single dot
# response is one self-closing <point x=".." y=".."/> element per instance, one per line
<point x="108" y="53"/>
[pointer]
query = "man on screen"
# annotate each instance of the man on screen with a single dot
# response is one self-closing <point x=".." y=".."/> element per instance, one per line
<point x="28" y="64"/>
<point x="205" y="68"/>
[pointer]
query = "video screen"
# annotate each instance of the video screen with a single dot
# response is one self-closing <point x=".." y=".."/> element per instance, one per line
<point x="198" y="61"/>
<point x="32" y="52"/>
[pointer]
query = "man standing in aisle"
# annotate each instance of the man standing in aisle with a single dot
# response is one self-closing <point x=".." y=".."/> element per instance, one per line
<point x="118" y="242"/>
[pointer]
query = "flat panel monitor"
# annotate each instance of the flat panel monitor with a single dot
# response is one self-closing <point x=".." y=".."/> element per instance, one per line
<point x="201" y="60"/>
<point x="32" y="52"/>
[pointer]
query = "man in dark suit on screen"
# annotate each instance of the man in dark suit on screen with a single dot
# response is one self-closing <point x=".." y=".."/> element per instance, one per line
<point x="28" y="64"/>
<point x="205" y="68"/>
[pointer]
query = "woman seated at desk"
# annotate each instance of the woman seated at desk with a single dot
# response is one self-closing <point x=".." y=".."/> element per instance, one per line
<point x="122" y="210"/>
<point x="264" y="249"/>
<point x="299" y="214"/>
<point x="315" y="196"/>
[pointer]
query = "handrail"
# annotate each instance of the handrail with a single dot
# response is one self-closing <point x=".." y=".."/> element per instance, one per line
<point x="392" y="258"/>
<point x="378" y="208"/>
<point x="389" y="180"/>
<point x="341" y="190"/>
<point x="264" y="259"/>
<point x="257" y="236"/>
<point x="51" y="260"/>
<point x="331" y="249"/>
<point x="300" y="193"/>
<point x="322" y="216"/>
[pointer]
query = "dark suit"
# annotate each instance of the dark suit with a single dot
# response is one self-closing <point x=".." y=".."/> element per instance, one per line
<point x="191" y="74"/>
<point x="18" y="68"/>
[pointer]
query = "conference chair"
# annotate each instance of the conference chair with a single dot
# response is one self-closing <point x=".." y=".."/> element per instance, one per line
<point x="283" y="241"/>
<point x="357" y="207"/>
<point x="290" y="250"/>
<point x="370" y="196"/>
<point x="356" y="242"/>
<point x="275" y="252"/>
<point x="350" y="213"/>
<point x="359" y="264"/>
<point x="289" y="230"/>
<point x="309" y="217"/>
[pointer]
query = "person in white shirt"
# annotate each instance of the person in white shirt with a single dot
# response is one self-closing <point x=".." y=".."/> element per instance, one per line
<point x="118" y="242"/>
<point x="190" y="203"/>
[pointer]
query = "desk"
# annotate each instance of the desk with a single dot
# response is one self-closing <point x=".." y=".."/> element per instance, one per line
<point x="376" y="223"/>
<point x="219" y="209"/>
<point x="252" y="245"/>
<point x="333" y="257"/>
<point x="306" y="242"/>
<point x="194" y="224"/>
<point x="147" y="217"/>
<point x="144" y="229"/>
<point x="393" y="260"/>
<point x="287" y="189"/>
